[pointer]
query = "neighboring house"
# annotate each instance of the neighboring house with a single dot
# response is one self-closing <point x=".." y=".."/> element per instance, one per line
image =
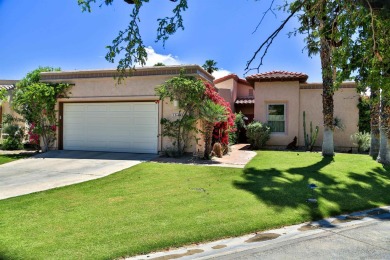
<point x="102" y="115"/>
<point x="279" y="99"/>
<point x="5" y="107"/>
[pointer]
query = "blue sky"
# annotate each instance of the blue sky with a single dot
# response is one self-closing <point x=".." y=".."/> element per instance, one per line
<point x="56" y="33"/>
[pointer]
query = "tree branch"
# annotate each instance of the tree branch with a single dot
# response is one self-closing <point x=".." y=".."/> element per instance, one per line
<point x="264" y="14"/>
<point x="267" y="43"/>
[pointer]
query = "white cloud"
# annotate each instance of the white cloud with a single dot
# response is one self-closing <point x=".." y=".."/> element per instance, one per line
<point x="154" y="58"/>
<point x="221" y="73"/>
<point x="169" y="59"/>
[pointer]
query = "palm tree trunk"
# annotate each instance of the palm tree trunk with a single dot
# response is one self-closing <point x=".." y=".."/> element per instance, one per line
<point x="374" y="122"/>
<point x="327" y="93"/>
<point x="384" y="147"/>
<point x="208" y="137"/>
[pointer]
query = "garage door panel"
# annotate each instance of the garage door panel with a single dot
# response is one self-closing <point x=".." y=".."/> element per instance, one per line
<point x="120" y="144"/>
<point x="144" y="107"/>
<point x="120" y="114"/>
<point x="120" y="107"/>
<point x="118" y="127"/>
<point x="145" y="120"/>
<point x="120" y="133"/>
<point x="95" y="108"/>
<point x="144" y="133"/>
<point x="143" y="147"/>
<point x="76" y="116"/>
<point x="75" y="108"/>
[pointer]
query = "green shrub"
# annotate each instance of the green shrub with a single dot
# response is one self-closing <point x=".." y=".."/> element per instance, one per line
<point x="239" y="125"/>
<point x="362" y="140"/>
<point x="14" y="132"/>
<point x="11" y="144"/>
<point x="258" y="134"/>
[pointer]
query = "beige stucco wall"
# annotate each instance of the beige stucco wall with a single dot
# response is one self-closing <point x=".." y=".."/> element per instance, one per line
<point x="279" y="92"/>
<point x="228" y="90"/>
<point x="243" y="90"/>
<point x="345" y="108"/>
<point x="6" y="109"/>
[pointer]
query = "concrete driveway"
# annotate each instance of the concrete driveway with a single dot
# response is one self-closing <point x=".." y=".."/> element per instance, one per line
<point x="60" y="168"/>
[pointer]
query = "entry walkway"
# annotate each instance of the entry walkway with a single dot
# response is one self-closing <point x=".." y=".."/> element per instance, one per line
<point x="238" y="157"/>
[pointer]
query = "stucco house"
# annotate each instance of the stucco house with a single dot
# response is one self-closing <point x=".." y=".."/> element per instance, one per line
<point x="101" y="115"/>
<point x="279" y="99"/>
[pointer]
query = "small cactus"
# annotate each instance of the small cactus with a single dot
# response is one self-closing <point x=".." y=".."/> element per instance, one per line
<point x="309" y="140"/>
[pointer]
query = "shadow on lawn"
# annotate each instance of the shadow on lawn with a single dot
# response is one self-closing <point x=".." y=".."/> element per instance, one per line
<point x="289" y="188"/>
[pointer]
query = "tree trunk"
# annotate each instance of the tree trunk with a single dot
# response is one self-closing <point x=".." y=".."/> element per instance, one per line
<point x="208" y="137"/>
<point x="384" y="149"/>
<point x="327" y="93"/>
<point x="382" y="146"/>
<point x="374" y="122"/>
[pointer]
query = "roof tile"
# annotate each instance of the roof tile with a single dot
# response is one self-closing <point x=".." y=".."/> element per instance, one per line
<point x="245" y="100"/>
<point x="278" y="75"/>
<point x="7" y="87"/>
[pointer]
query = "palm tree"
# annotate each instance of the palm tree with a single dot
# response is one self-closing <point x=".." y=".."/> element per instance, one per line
<point x="210" y="66"/>
<point x="210" y="113"/>
<point x="374" y="121"/>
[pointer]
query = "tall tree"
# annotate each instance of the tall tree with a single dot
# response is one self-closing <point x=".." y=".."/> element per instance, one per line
<point x="210" y="66"/>
<point x="323" y="24"/>
<point x="368" y="56"/>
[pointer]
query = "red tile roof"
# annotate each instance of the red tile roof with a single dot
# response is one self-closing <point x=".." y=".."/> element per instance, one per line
<point x="232" y="76"/>
<point x="278" y="75"/>
<point x="245" y="100"/>
<point x="7" y="86"/>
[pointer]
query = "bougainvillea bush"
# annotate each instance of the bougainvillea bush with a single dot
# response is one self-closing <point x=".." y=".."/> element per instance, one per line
<point x="221" y="129"/>
<point x="35" y="101"/>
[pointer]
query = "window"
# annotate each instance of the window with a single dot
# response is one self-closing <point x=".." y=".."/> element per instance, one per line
<point x="251" y="92"/>
<point x="277" y="117"/>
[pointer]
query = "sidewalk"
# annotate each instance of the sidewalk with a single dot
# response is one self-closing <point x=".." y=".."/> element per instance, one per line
<point x="364" y="234"/>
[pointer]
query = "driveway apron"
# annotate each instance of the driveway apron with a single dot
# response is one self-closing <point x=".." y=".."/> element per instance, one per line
<point x="61" y="168"/>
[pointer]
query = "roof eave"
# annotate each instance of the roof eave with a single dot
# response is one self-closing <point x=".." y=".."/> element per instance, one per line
<point x="139" y="71"/>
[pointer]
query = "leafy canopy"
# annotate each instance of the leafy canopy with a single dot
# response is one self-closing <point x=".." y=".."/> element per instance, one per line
<point x="129" y="41"/>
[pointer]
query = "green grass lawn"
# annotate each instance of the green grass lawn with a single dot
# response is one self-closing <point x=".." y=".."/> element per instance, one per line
<point x="153" y="206"/>
<point x="6" y="158"/>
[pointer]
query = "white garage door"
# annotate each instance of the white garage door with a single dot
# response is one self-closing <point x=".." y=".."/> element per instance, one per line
<point x="113" y="127"/>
